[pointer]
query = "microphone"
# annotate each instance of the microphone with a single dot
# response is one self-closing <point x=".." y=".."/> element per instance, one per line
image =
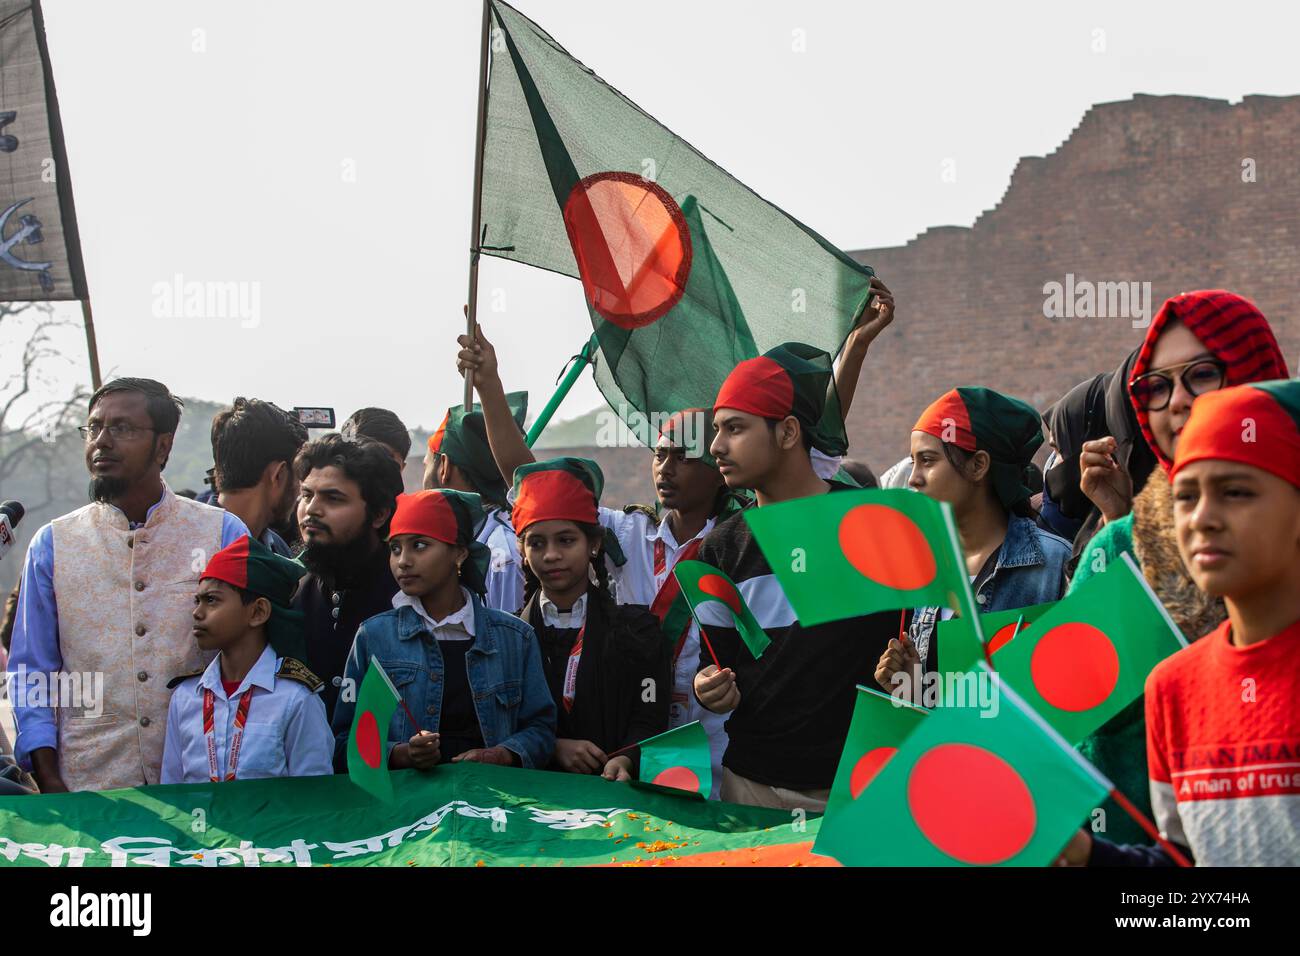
<point x="11" y="512"/>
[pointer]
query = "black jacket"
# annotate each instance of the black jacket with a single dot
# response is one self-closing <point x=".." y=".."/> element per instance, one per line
<point x="622" y="647"/>
<point x="335" y="609"/>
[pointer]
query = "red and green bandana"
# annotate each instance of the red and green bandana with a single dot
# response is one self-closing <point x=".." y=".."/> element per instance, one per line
<point x="1230" y="327"/>
<point x="980" y="419"/>
<point x="561" y="489"/>
<point x="453" y="517"/>
<point x="253" y="567"/>
<point x="1257" y="424"/>
<point x="558" y="489"/>
<point x="435" y="440"/>
<point x="791" y="379"/>
<point x="948" y="420"/>
<point x="690" y="429"/>
<point x="462" y="437"/>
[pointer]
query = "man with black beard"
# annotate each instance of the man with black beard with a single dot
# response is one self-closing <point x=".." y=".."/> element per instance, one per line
<point x="348" y="492"/>
<point x="107" y="594"/>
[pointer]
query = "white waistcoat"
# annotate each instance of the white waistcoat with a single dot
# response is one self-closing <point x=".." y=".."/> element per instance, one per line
<point x="125" y="600"/>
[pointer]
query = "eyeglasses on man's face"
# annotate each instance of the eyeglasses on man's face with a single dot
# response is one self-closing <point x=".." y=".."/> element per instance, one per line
<point x="123" y="431"/>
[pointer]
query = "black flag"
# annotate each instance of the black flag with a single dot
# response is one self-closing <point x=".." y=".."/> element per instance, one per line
<point x="40" y="252"/>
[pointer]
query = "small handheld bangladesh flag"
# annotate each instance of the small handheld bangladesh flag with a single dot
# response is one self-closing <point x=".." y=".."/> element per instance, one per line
<point x="715" y="600"/>
<point x="999" y="626"/>
<point x="1088" y="658"/>
<point x="852" y="553"/>
<point x="972" y="787"/>
<point x="678" y="759"/>
<point x="670" y="605"/>
<point x="879" y="726"/>
<point x="376" y="701"/>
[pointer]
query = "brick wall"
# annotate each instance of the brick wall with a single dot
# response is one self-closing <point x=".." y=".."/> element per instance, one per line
<point x="1146" y="190"/>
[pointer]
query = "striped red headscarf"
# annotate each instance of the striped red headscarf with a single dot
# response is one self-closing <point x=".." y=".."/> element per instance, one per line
<point x="1231" y="327"/>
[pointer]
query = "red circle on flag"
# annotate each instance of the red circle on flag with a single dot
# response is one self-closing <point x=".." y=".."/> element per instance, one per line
<point x="886" y="546"/>
<point x="632" y="246"/>
<point x="868" y="765"/>
<point x="719" y="587"/>
<point x="971" y="804"/>
<point x="1075" y="666"/>
<point x="683" y="778"/>
<point x="1003" y="635"/>
<point x="368" y="739"/>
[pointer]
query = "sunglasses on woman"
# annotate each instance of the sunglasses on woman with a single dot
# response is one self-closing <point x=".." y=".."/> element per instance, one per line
<point x="1154" y="390"/>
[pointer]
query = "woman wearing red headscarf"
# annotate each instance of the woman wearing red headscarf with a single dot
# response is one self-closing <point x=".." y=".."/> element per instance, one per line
<point x="1198" y="342"/>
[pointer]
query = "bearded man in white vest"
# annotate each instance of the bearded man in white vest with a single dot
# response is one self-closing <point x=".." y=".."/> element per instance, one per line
<point x="107" y="593"/>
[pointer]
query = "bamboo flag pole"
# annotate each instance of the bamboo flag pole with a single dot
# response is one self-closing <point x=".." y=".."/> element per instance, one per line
<point x="471" y="314"/>
<point x="91" y="347"/>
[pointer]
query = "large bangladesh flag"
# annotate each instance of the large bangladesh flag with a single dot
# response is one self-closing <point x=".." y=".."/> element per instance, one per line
<point x="856" y="552"/>
<point x="686" y="270"/>
<point x="969" y="787"/>
<point x="1088" y="658"/>
<point x="464" y="814"/>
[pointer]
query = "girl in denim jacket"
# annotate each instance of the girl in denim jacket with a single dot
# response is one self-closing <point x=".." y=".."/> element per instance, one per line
<point x="472" y="676"/>
<point x="973" y="448"/>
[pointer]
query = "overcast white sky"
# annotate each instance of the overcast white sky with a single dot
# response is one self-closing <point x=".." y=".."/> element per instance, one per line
<point x="227" y="164"/>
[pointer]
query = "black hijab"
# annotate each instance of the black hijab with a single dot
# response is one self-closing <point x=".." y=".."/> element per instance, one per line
<point x="1133" y="452"/>
<point x="1077" y="418"/>
<point x="1094" y="409"/>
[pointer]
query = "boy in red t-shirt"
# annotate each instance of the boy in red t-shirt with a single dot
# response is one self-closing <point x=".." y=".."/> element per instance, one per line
<point x="1223" y="715"/>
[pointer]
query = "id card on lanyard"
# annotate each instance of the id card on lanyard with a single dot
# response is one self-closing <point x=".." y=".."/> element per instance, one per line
<point x="571" y="672"/>
<point x="209" y="733"/>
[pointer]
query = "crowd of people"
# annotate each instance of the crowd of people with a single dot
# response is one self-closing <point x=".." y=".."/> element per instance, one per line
<point x="526" y="623"/>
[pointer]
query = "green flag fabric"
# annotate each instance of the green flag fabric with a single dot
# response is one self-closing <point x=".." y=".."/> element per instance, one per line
<point x="969" y="786"/>
<point x="879" y="726"/>
<point x="714" y="599"/>
<point x="680" y="759"/>
<point x="367" y="753"/>
<point x="856" y="552"/>
<point x="999" y="627"/>
<point x="1088" y="658"/>
<point x="463" y="814"/>
<point x="686" y="271"/>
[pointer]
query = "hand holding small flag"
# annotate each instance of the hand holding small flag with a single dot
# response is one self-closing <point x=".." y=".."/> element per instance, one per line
<point x="423" y="751"/>
<point x="900" y="657"/>
<point x="717" y="689"/>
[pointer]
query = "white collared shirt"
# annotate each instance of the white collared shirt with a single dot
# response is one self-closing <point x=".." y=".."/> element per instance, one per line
<point x="636" y="582"/>
<point x="454" y="627"/>
<point x="505" y="578"/>
<point x="287" y="734"/>
<point x="552" y="616"/>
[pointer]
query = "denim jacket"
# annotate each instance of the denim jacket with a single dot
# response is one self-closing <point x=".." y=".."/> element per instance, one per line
<point x="1030" y="569"/>
<point x="504" y="666"/>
